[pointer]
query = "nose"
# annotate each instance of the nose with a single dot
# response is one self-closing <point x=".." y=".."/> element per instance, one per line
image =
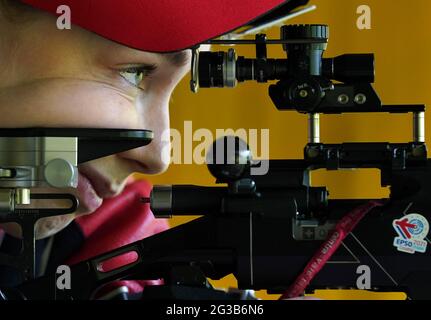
<point x="155" y="157"/>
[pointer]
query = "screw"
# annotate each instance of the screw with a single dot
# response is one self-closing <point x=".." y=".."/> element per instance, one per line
<point x="145" y="200"/>
<point x="343" y="98"/>
<point x="303" y="93"/>
<point x="360" y="98"/>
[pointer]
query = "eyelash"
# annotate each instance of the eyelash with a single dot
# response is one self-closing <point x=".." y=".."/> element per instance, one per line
<point x="135" y="75"/>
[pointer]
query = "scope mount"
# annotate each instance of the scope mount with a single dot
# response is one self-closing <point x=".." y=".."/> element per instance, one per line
<point x="305" y="85"/>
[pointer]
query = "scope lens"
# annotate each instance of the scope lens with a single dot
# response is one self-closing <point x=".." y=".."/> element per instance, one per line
<point x="228" y="158"/>
<point x="350" y="68"/>
<point x="211" y="69"/>
<point x="217" y="69"/>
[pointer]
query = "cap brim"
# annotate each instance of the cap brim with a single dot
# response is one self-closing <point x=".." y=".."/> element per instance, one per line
<point x="162" y="25"/>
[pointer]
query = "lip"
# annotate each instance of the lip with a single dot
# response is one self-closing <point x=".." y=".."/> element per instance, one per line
<point x="102" y="186"/>
<point x="88" y="196"/>
<point x="93" y="186"/>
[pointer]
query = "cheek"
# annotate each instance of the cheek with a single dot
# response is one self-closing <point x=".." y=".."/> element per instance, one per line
<point x="67" y="103"/>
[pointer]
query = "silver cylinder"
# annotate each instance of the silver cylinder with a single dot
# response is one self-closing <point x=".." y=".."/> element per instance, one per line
<point x="313" y="128"/>
<point x="419" y="126"/>
<point x="22" y="196"/>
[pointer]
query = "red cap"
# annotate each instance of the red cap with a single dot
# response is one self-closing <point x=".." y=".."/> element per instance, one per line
<point x="160" y="25"/>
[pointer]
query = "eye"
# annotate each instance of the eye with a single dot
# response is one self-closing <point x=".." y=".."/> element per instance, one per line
<point x="135" y="75"/>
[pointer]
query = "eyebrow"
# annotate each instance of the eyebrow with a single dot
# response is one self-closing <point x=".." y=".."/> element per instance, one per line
<point x="178" y="59"/>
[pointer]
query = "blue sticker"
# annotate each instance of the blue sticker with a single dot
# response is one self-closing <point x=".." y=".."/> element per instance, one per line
<point x="412" y="230"/>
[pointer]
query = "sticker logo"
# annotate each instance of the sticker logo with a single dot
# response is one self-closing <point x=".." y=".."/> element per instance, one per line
<point x="412" y="229"/>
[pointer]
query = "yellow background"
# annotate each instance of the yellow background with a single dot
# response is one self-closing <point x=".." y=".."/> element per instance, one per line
<point x="399" y="38"/>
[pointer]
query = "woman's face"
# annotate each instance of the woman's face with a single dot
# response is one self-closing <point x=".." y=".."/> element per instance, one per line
<point x="73" y="78"/>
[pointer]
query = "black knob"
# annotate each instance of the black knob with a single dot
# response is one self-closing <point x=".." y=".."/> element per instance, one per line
<point x="307" y="31"/>
<point x="229" y="158"/>
<point x="304" y="31"/>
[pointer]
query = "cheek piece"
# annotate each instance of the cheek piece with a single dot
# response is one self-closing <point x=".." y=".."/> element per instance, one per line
<point x="49" y="158"/>
<point x="263" y="221"/>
